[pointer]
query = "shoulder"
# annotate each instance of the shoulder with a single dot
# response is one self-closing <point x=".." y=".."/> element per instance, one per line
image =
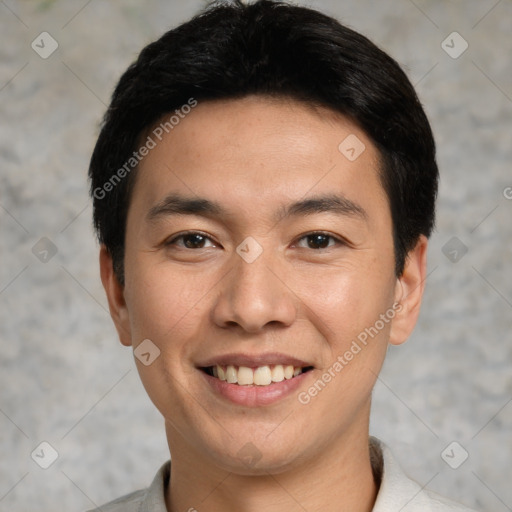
<point x="128" y="503"/>
<point x="152" y="498"/>
<point x="440" y="504"/>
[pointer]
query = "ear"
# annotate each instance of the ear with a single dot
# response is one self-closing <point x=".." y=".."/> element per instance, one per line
<point x="409" y="293"/>
<point x="115" y="295"/>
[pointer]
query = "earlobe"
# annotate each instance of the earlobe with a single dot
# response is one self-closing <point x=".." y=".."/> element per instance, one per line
<point x="409" y="293"/>
<point x="115" y="296"/>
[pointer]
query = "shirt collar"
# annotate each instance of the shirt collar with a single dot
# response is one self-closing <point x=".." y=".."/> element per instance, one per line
<point x="154" y="500"/>
<point x="397" y="492"/>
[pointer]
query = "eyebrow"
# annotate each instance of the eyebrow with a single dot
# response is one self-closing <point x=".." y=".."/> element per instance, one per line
<point x="176" y="204"/>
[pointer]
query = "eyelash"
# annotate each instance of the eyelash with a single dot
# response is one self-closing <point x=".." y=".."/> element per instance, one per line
<point x="337" y="240"/>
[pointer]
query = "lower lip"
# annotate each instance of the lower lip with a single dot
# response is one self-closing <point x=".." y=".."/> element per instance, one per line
<point x="255" y="396"/>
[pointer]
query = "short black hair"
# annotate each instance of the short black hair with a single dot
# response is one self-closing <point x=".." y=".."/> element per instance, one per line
<point x="270" y="48"/>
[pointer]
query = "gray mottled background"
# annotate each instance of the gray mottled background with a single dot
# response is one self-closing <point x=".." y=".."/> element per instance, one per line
<point x="66" y="380"/>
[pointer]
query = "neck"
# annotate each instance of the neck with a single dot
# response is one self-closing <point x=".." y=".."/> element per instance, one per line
<point x="338" y="480"/>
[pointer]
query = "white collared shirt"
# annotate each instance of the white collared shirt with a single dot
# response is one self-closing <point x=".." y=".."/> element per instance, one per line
<point x="397" y="492"/>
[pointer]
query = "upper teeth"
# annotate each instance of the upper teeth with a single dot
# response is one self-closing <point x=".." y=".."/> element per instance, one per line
<point x="260" y="376"/>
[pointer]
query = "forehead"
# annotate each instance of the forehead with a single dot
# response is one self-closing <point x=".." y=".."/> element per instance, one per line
<point x="259" y="150"/>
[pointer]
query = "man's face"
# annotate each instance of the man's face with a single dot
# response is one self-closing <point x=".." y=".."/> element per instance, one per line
<point x="287" y="264"/>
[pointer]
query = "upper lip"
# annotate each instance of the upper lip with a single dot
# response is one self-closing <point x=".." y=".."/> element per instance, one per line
<point x="253" y="360"/>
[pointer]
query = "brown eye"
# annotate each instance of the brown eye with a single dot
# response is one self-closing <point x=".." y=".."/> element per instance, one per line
<point x="320" y="240"/>
<point x="191" y="240"/>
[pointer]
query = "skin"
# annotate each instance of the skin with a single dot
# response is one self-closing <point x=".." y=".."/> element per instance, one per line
<point x="309" y="301"/>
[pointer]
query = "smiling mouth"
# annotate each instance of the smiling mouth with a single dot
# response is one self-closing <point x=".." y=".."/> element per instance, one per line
<point x="259" y="376"/>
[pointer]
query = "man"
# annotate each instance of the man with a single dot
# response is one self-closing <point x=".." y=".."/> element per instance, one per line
<point x="264" y="186"/>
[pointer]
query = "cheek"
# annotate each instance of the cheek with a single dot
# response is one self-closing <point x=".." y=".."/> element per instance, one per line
<point x="347" y="311"/>
<point x="165" y="307"/>
<point x="348" y="300"/>
<point x="161" y="302"/>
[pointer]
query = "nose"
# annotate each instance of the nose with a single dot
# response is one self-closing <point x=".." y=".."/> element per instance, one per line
<point x="254" y="295"/>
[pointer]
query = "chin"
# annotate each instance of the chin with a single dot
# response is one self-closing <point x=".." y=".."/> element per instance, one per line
<point x="266" y="463"/>
<point x="258" y="457"/>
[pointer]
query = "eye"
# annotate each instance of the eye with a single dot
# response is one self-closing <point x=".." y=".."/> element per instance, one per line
<point x="191" y="240"/>
<point x="320" y="240"/>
